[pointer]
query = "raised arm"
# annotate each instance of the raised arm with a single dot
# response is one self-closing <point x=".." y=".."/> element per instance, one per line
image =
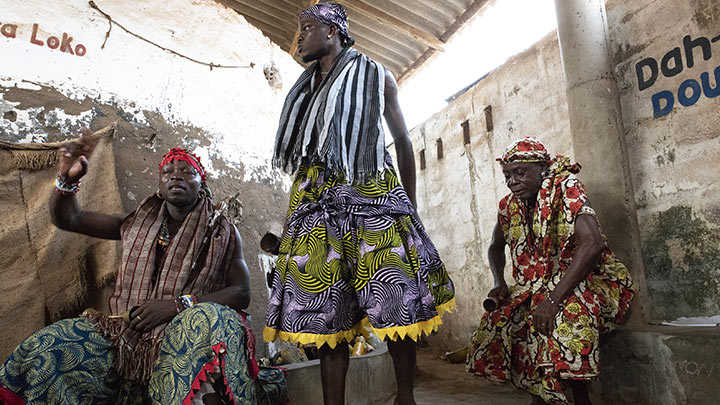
<point x="403" y="145"/>
<point x="65" y="213"/>
<point x="496" y="257"/>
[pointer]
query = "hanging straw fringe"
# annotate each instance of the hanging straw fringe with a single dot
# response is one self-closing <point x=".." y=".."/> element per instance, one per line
<point x="33" y="159"/>
<point x="136" y="364"/>
<point x="131" y="363"/>
<point x="38" y="156"/>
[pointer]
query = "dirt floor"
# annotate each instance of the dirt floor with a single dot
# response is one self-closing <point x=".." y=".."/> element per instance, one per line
<point x="439" y="382"/>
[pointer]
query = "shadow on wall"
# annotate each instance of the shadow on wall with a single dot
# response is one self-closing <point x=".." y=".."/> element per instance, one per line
<point x="43" y="114"/>
<point x="681" y="254"/>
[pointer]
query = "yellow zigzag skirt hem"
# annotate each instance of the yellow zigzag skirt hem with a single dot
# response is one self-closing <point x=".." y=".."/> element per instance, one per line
<point x="394" y="333"/>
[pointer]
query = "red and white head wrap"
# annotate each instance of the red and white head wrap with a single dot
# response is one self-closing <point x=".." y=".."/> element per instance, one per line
<point x="184" y="155"/>
<point x="528" y="150"/>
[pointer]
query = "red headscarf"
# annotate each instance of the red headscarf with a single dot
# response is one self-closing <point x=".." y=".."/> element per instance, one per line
<point x="184" y="155"/>
<point x="525" y="150"/>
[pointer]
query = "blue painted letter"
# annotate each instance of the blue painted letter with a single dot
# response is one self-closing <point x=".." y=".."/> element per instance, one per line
<point x="669" y="100"/>
<point x="694" y="97"/>
<point x="709" y="91"/>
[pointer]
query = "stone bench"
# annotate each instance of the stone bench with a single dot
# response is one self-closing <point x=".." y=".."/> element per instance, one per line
<point x="661" y="365"/>
<point x="370" y="379"/>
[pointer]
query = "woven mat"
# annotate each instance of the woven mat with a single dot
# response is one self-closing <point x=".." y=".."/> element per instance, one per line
<point x="46" y="272"/>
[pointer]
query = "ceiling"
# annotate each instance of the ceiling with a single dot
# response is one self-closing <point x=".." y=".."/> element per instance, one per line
<point x="400" y="34"/>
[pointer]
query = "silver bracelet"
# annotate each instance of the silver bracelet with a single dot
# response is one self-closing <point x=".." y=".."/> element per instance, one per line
<point x="552" y="301"/>
<point x="66" y="188"/>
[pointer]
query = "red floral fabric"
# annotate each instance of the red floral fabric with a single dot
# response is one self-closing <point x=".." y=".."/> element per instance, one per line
<point x="505" y="346"/>
<point x="525" y="150"/>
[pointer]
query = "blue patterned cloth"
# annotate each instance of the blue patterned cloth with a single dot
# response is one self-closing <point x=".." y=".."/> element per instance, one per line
<point x="70" y="363"/>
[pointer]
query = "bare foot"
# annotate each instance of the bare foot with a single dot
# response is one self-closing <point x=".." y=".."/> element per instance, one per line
<point x="398" y="401"/>
<point x="212" y="398"/>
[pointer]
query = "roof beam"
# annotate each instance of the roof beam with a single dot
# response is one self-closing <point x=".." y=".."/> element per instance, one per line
<point x="473" y="9"/>
<point x="390" y="64"/>
<point x="371" y="40"/>
<point x="469" y="13"/>
<point x="278" y="32"/>
<point x="422" y="13"/>
<point x="271" y="9"/>
<point x="385" y="35"/>
<point x="250" y="9"/>
<point x="294" y="43"/>
<point x="377" y="14"/>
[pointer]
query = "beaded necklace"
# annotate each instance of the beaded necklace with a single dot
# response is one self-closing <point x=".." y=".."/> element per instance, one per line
<point x="163" y="238"/>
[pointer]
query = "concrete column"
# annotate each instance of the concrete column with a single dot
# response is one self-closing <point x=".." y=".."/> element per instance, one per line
<point x="597" y="132"/>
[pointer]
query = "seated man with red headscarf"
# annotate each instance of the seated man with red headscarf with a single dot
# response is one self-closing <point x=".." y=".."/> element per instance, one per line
<point x="569" y="285"/>
<point x="176" y="333"/>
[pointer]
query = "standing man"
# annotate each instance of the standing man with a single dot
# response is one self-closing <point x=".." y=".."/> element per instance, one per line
<point x="353" y="251"/>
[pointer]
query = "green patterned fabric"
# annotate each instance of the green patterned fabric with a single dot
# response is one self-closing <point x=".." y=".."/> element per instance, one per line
<point x="64" y="363"/>
<point x="69" y="363"/>
<point x="197" y="340"/>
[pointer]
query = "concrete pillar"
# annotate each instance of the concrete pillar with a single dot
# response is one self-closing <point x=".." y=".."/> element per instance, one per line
<point x="598" y="134"/>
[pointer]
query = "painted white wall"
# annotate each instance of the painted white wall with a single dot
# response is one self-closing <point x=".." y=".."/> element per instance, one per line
<point x="458" y="195"/>
<point x="673" y="158"/>
<point x="236" y="106"/>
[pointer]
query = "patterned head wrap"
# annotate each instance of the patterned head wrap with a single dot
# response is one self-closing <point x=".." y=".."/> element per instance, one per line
<point x="526" y="150"/>
<point x="184" y="155"/>
<point x="331" y="14"/>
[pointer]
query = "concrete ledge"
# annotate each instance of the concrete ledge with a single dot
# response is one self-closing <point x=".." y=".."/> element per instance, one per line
<point x="661" y="365"/>
<point x="370" y="379"/>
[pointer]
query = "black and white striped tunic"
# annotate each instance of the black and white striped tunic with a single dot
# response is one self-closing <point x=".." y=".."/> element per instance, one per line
<point x="340" y="123"/>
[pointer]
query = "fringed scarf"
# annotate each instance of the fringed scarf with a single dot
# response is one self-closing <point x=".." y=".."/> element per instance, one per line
<point x="133" y="285"/>
<point x="340" y="123"/>
<point x="547" y="206"/>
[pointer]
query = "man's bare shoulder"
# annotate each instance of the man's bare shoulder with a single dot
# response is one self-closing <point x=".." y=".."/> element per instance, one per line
<point x="390" y="82"/>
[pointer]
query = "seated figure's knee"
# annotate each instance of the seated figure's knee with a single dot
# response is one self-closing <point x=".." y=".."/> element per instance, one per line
<point x="207" y="307"/>
<point x="211" y="310"/>
<point x="212" y="314"/>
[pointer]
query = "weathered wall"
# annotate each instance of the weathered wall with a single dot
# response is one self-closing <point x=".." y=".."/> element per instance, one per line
<point x="673" y="149"/>
<point x="673" y="154"/>
<point x="159" y="98"/>
<point x="458" y="194"/>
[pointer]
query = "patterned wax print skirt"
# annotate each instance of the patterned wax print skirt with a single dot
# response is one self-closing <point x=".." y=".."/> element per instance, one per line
<point x="70" y="363"/>
<point x="354" y="256"/>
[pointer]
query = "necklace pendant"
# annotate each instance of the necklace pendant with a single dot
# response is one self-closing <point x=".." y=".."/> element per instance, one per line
<point x="163" y="238"/>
